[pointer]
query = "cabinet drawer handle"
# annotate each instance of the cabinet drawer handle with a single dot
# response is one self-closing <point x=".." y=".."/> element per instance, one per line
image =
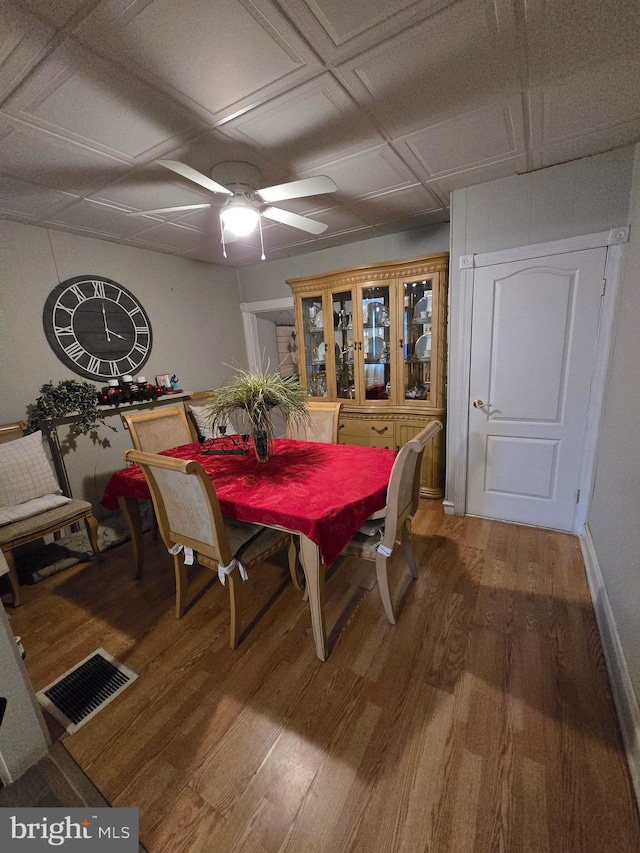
<point x="379" y="431"/>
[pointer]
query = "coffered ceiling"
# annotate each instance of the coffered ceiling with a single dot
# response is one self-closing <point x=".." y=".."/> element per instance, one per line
<point x="398" y="101"/>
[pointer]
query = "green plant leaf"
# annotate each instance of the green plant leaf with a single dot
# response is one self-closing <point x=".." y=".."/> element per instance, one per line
<point x="257" y="394"/>
<point x="68" y="397"/>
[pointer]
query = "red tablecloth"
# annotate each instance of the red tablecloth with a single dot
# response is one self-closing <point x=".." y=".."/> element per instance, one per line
<point x="325" y="491"/>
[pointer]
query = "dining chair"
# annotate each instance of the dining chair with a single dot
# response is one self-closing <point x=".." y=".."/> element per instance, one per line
<point x="322" y="425"/>
<point x="153" y="430"/>
<point x="195" y="408"/>
<point x="31" y="501"/>
<point x="390" y="527"/>
<point x="190" y="520"/>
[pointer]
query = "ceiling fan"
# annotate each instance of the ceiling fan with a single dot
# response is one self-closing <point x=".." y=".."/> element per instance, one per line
<point x="245" y="204"/>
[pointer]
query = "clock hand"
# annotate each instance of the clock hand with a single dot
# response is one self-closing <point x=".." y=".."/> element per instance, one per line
<point x="106" y="330"/>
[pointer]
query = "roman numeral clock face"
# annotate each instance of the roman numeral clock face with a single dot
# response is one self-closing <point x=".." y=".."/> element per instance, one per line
<point x="97" y="327"/>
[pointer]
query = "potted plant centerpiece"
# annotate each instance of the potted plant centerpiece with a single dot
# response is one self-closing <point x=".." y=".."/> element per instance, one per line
<point x="255" y="395"/>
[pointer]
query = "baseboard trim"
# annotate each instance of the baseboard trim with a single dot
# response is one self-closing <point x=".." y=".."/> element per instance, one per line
<point x="624" y="695"/>
<point x="449" y="507"/>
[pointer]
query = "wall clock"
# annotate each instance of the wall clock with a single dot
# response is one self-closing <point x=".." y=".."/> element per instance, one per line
<point x="97" y="327"/>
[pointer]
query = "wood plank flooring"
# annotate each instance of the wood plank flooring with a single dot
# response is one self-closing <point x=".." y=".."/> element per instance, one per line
<point x="482" y="721"/>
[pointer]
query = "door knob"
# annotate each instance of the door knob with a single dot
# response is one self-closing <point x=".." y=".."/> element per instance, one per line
<point x="478" y="404"/>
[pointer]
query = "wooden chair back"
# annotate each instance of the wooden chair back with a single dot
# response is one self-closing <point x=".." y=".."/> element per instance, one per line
<point x="186" y="504"/>
<point x="153" y="430"/>
<point x="188" y="513"/>
<point x="403" y="493"/>
<point x="322" y="425"/>
<point x="8" y="432"/>
<point x="403" y="497"/>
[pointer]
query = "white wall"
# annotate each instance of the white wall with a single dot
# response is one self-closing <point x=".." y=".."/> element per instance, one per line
<point x="23" y="734"/>
<point x="194" y="310"/>
<point x="614" y="518"/>
<point x="267" y="280"/>
<point x="582" y="197"/>
<point x="268" y="343"/>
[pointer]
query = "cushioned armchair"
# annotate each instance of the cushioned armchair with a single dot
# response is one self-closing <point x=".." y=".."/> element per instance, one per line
<point x="31" y="502"/>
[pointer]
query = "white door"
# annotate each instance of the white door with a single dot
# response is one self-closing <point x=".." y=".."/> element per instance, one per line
<point x="534" y="335"/>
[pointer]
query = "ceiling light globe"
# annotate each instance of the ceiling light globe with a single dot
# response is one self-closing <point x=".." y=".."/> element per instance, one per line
<point x="239" y="219"/>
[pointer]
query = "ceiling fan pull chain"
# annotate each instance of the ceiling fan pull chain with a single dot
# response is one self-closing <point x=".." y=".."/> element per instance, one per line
<point x="262" y="256"/>
<point x="224" y="248"/>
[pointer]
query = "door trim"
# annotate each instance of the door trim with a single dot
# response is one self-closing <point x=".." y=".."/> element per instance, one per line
<point x="250" y="311"/>
<point x="614" y="240"/>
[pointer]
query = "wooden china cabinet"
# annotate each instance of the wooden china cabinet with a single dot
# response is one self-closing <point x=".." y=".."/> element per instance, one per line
<point x="374" y="337"/>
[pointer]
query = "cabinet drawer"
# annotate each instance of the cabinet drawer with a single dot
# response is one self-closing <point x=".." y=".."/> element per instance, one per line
<point x="367" y="432"/>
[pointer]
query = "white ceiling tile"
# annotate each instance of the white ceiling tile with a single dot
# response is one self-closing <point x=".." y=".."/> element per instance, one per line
<point x="478" y="175"/>
<point x="587" y="145"/>
<point x="341" y="29"/>
<point x="316" y="120"/>
<point x="372" y="171"/>
<point x="396" y="204"/>
<point x="400" y="102"/>
<point x="170" y="236"/>
<point x="22" y="42"/>
<point x="30" y="200"/>
<point x="244" y="48"/>
<point x="153" y="187"/>
<point x="466" y="141"/>
<point x="99" y="218"/>
<point x="86" y="99"/>
<point x="592" y="99"/>
<point x="418" y="220"/>
<point x="43" y="158"/>
<point x="58" y="12"/>
<point x="455" y="62"/>
<point x="563" y="35"/>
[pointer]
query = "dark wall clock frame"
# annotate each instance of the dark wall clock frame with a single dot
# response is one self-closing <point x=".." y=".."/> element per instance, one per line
<point x="97" y="327"/>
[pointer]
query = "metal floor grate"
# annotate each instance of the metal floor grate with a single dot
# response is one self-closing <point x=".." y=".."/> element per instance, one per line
<point x="77" y="695"/>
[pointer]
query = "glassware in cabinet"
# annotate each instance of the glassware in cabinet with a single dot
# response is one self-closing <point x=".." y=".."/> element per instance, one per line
<point x="417" y="319"/>
<point x="314" y="346"/>
<point x="342" y="309"/>
<point x="376" y="341"/>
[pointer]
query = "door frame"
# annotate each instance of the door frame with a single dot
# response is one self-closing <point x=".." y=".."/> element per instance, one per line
<point x="250" y="312"/>
<point x="614" y="241"/>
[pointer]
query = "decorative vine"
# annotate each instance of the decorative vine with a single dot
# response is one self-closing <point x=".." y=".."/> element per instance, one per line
<point x="68" y="397"/>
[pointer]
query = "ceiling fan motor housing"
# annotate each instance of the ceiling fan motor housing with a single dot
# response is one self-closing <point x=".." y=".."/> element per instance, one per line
<point x="237" y="175"/>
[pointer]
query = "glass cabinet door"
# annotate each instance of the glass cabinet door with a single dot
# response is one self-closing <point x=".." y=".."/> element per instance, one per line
<point x="342" y="304"/>
<point x="375" y="347"/>
<point x="315" y="347"/>
<point x="417" y="302"/>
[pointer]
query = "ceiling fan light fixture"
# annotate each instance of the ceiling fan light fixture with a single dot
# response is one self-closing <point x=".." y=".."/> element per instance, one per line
<point x="239" y="217"/>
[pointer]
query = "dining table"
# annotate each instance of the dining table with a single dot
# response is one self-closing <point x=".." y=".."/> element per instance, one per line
<point x="323" y="492"/>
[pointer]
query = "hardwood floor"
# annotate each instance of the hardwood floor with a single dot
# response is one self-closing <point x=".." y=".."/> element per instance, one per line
<point x="483" y="721"/>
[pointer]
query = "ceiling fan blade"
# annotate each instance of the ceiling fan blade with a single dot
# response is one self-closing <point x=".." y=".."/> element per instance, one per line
<point x="294" y="220"/>
<point x="192" y="175"/>
<point x="298" y="189"/>
<point x="168" y="209"/>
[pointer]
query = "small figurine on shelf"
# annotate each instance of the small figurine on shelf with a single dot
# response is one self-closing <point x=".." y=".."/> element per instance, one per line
<point x="175" y="384"/>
